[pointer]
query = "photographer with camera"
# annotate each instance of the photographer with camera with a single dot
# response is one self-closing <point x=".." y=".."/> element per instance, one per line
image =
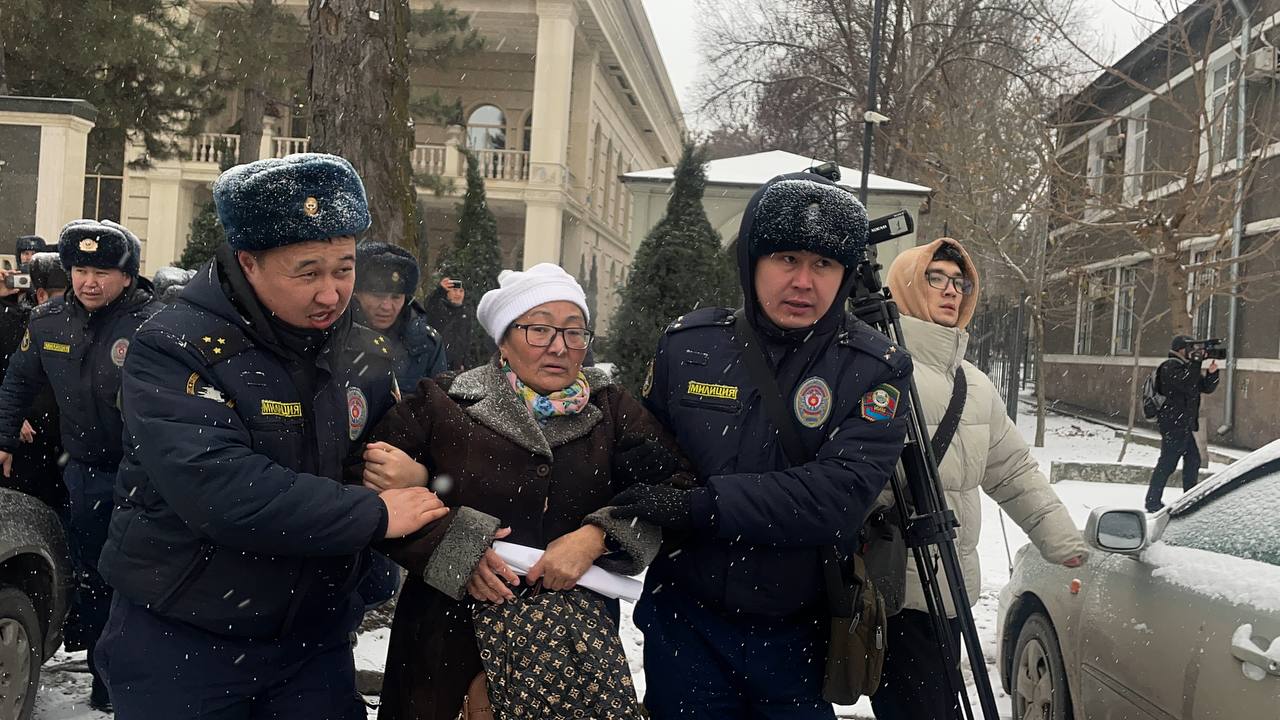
<point x="1181" y="381"/>
<point x="449" y="315"/>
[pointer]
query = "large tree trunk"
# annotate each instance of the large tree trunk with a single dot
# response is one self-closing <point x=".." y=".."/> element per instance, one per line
<point x="1038" y="334"/>
<point x="359" y="101"/>
<point x="1175" y="283"/>
<point x="255" y="90"/>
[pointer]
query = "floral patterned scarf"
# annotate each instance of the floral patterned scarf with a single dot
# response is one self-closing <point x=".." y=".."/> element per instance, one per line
<point x="568" y="401"/>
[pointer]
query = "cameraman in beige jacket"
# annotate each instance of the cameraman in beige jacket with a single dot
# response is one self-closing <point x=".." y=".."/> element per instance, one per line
<point x="936" y="288"/>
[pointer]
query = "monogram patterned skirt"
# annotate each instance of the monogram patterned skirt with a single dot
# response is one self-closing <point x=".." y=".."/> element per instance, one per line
<point x="554" y="655"/>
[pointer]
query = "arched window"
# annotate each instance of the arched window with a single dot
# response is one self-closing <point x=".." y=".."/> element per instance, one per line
<point x="487" y="128"/>
<point x="528" y="133"/>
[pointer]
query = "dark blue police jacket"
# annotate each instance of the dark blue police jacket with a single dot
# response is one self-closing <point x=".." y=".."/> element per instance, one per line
<point x="772" y="518"/>
<point x="80" y="354"/>
<point x="231" y="513"/>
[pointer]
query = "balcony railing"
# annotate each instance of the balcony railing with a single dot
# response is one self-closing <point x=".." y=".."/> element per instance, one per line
<point x="429" y="159"/>
<point x="507" y="165"/>
<point x="211" y="147"/>
<point x="282" y="146"/>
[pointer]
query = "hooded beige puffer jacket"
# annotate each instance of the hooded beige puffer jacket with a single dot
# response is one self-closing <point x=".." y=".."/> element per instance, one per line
<point x="987" y="452"/>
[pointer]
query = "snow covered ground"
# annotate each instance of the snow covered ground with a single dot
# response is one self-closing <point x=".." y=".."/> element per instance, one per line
<point x="65" y="685"/>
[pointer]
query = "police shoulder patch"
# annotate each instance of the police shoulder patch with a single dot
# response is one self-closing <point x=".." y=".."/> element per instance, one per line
<point x="119" y="350"/>
<point x="357" y="412"/>
<point x="880" y="404"/>
<point x="812" y="402"/>
<point x="645" y="389"/>
<point x="26" y="341"/>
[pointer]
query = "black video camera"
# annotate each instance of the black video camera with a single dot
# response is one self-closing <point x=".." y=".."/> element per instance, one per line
<point x="1207" y="349"/>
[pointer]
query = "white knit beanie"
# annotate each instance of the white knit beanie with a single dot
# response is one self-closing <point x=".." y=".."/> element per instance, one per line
<point x="519" y="292"/>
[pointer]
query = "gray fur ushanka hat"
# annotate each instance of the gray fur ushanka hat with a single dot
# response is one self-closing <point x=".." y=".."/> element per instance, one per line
<point x="281" y="201"/>
<point x="804" y="211"/>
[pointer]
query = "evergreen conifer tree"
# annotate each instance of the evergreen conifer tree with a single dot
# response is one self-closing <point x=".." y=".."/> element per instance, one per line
<point x="476" y="257"/>
<point x="679" y="267"/>
<point x="206" y="230"/>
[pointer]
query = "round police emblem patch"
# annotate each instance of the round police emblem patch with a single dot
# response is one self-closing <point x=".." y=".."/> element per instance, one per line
<point x="357" y="411"/>
<point x="119" y="349"/>
<point x="813" y="402"/>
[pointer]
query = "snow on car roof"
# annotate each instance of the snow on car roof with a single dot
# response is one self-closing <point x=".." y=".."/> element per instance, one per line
<point x="759" y="168"/>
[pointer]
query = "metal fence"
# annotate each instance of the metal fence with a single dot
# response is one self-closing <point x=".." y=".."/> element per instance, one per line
<point x="999" y="345"/>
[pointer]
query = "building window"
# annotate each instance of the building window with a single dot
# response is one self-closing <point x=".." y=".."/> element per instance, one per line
<point x="1201" y="298"/>
<point x="299" y="116"/>
<point x="1126" y="288"/>
<point x="1089" y="307"/>
<point x="528" y="133"/>
<point x="104" y="175"/>
<point x="1135" y="156"/>
<point x="487" y="129"/>
<point x="1221" y="111"/>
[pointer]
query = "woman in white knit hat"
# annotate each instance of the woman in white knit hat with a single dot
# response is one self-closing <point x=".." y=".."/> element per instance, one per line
<point x="528" y="448"/>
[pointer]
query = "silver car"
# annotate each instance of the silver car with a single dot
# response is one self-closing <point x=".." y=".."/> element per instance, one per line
<point x="1176" y="614"/>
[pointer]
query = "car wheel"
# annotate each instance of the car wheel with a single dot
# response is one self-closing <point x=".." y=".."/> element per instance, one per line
<point x="20" y="654"/>
<point x="1039" y="675"/>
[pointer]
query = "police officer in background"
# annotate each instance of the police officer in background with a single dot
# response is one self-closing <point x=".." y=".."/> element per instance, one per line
<point x="27" y="246"/>
<point x="735" y="618"/>
<point x="35" y="469"/>
<point x="77" y="345"/>
<point x="386" y="278"/>
<point x="235" y="548"/>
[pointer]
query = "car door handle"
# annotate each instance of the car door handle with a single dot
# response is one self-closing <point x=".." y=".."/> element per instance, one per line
<point x="1244" y="648"/>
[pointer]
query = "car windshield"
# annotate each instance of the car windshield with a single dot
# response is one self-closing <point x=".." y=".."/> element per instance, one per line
<point x="1241" y="519"/>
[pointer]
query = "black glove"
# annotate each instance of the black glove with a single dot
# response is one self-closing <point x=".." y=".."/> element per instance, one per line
<point x="672" y="508"/>
<point x="637" y="459"/>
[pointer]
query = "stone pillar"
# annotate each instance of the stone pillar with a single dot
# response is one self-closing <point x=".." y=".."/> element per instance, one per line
<point x="546" y="196"/>
<point x="454" y="164"/>
<point x="163" y="218"/>
<point x="44" y="144"/>
<point x="270" y="129"/>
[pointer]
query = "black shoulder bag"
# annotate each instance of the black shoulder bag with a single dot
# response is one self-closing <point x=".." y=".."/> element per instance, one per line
<point x="855" y="653"/>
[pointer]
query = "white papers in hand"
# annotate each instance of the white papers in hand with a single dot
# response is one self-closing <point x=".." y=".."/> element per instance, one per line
<point x="621" y="587"/>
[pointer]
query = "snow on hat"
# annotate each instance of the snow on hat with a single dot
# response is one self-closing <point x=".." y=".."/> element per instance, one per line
<point x="99" y="244"/>
<point x="280" y="201"/>
<point x="385" y="268"/>
<point x="169" y="282"/>
<point x="520" y="292"/>
<point x="46" y="272"/>
<point x="809" y="213"/>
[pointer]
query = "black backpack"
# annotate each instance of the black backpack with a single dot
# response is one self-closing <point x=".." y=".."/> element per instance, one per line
<point x="1152" y="400"/>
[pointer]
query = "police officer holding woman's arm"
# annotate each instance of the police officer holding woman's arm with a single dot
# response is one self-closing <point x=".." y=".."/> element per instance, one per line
<point x="734" y="612"/>
<point x="235" y="548"/>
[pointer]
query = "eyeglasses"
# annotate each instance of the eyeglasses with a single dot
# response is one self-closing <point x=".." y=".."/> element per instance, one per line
<point x="963" y="285"/>
<point x="544" y="335"/>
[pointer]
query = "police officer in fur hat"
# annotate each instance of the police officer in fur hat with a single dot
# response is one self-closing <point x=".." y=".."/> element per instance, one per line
<point x="386" y="278"/>
<point x="734" y="613"/>
<point x="236" y="548"/>
<point x="27" y="246"/>
<point x="77" y="344"/>
<point x="35" y="469"/>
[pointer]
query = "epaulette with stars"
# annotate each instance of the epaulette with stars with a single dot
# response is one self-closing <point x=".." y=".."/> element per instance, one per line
<point x="219" y="346"/>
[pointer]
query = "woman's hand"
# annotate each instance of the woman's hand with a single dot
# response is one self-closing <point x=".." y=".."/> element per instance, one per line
<point x="492" y="579"/>
<point x="567" y="558"/>
<point x="387" y="467"/>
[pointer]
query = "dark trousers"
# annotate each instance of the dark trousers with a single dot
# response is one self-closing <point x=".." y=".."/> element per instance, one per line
<point x="913" y="684"/>
<point x="90" y="502"/>
<point x="162" y="668"/>
<point x="1174" y="446"/>
<point x="705" y="665"/>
